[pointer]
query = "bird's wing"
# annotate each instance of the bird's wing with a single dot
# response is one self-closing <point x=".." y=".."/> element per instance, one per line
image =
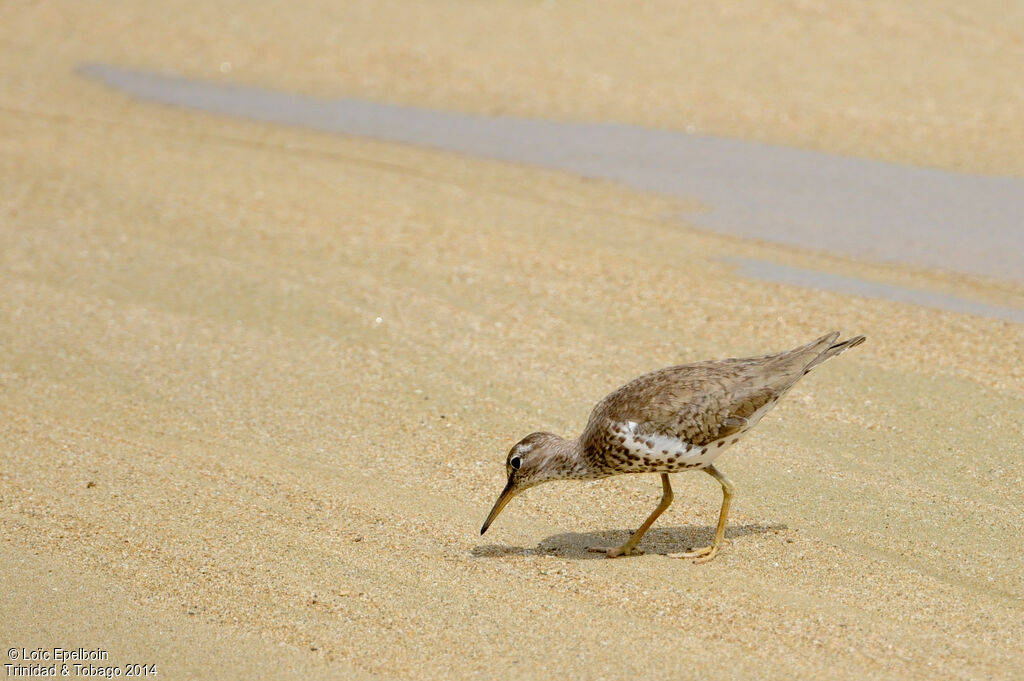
<point x="700" y="410"/>
<point x="707" y="401"/>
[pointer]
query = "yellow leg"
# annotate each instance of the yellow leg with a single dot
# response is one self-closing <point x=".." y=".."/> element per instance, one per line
<point x="706" y="553"/>
<point x="629" y="548"/>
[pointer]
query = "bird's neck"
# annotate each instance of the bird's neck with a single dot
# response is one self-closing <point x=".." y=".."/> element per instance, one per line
<point x="564" y="460"/>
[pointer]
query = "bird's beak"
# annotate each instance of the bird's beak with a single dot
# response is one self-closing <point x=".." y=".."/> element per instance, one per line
<point x="506" y="496"/>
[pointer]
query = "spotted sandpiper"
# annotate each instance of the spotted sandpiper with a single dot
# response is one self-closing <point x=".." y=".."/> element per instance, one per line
<point x="674" y="419"/>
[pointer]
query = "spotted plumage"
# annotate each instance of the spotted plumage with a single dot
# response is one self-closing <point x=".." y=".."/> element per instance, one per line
<point x="674" y="419"/>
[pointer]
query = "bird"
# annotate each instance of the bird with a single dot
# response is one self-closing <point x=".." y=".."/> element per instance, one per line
<point x="675" y="419"/>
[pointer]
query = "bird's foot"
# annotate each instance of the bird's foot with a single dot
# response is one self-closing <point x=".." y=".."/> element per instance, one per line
<point x="701" y="555"/>
<point x="616" y="551"/>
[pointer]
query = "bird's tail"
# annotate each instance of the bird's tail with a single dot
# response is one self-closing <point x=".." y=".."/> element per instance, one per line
<point x="834" y="349"/>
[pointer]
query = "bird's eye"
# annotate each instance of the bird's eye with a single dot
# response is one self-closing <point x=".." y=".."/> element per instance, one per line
<point x="515" y="462"/>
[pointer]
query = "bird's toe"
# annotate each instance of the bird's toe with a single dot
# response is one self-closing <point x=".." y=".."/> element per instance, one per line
<point x="615" y="552"/>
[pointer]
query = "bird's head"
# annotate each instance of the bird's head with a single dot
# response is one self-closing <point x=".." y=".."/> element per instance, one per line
<point x="536" y="458"/>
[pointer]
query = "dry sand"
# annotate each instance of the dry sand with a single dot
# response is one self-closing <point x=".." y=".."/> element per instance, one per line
<point x="214" y="458"/>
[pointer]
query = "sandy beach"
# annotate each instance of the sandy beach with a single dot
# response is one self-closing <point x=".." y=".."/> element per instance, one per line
<point x="257" y="383"/>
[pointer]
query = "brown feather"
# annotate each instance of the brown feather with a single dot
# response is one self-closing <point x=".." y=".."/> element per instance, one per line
<point x="704" y="402"/>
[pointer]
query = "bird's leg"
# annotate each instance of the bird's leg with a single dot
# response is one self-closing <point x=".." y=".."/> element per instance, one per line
<point x="706" y="553"/>
<point x="629" y="548"/>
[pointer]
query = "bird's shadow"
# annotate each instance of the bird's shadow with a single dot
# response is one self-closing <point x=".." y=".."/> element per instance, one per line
<point x="661" y="541"/>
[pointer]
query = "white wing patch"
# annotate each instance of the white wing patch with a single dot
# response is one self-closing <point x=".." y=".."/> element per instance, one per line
<point x="669" y="454"/>
<point x="664" y="450"/>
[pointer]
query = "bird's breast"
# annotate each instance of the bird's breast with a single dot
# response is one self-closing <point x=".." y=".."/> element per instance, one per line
<point x="629" y="451"/>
